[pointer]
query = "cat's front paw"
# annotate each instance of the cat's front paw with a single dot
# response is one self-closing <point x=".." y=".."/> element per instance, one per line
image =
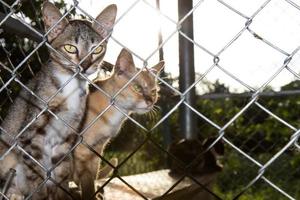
<point x="16" y="197"/>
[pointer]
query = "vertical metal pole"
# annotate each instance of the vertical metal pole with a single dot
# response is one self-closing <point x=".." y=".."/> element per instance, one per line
<point x="187" y="70"/>
<point x="160" y="39"/>
<point x="164" y="107"/>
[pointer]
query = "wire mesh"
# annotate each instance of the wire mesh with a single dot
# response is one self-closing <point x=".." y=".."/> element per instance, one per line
<point x="259" y="129"/>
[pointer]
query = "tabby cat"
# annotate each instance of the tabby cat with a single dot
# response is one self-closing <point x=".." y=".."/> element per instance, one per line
<point x="138" y="97"/>
<point x="48" y="138"/>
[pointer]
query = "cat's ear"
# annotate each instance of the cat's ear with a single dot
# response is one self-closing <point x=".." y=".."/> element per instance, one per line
<point x="158" y="67"/>
<point x="51" y="15"/>
<point x="124" y="63"/>
<point x="106" y="20"/>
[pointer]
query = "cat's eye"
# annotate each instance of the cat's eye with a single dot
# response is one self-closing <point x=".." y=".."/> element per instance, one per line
<point x="137" y="88"/>
<point x="153" y="92"/>
<point x="70" y="48"/>
<point x="98" y="50"/>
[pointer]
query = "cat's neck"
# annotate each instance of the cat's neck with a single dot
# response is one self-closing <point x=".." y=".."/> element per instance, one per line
<point x="58" y="68"/>
<point x="102" y="101"/>
<point x="111" y="118"/>
<point x="72" y="87"/>
<point x="63" y="73"/>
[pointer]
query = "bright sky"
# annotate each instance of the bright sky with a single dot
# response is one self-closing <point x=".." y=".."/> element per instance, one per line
<point x="249" y="59"/>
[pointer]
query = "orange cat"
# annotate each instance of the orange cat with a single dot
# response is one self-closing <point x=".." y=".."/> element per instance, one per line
<point x="138" y="97"/>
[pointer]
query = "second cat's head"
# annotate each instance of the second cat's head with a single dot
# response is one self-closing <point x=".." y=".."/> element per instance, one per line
<point x="74" y="39"/>
<point x="141" y="93"/>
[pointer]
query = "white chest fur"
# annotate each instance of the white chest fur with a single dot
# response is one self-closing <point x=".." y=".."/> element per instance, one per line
<point x="72" y="91"/>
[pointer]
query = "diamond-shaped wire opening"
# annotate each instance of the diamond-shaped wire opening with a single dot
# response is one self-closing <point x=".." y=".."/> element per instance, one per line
<point x="207" y="31"/>
<point x="109" y="182"/>
<point x="284" y="172"/>
<point x="144" y="31"/>
<point x="253" y="61"/>
<point x="238" y="172"/>
<point x="131" y="153"/>
<point x="263" y="168"/>
<point x="261" y="188"/>
<point x="219" y="110"/>
<point x="251" y="134"/>
<point x="276" y="16"/>
<point x="189" y="159"/>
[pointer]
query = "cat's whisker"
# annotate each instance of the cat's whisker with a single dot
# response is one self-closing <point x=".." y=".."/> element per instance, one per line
<point x="152" y="115"/>
<point x="153" y="111"/>
<point x="157" y="108"/>
<point x="149" y="115"/>
<point x="164" y="77"/>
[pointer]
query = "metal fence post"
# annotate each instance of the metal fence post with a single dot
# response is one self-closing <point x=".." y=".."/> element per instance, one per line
<point x="186" y="70"/>
<point x="164" y="107"/>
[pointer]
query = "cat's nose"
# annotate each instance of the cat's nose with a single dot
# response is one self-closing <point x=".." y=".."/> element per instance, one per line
<point x="149" y="103"/>
<point x="86" y="63"/>
<point x="148" y="100"/>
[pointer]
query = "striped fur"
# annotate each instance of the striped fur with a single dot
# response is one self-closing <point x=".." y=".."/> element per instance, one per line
<point x="48" y="139"/>
<point x="130" y="100"/>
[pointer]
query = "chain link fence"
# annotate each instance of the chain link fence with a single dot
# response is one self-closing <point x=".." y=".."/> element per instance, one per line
<point x="259" y="129"/>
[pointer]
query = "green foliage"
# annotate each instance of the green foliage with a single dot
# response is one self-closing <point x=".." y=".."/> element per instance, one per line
<point x="255" y="132"/>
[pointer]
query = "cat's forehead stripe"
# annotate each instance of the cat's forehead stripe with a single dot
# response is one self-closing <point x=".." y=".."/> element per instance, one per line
<point x="76" y="39"/>
<point x="146" y="80"/>
<point x="84" y="32"/>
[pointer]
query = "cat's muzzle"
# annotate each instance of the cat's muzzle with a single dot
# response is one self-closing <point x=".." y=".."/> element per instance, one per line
<point x="89" y="71"/>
